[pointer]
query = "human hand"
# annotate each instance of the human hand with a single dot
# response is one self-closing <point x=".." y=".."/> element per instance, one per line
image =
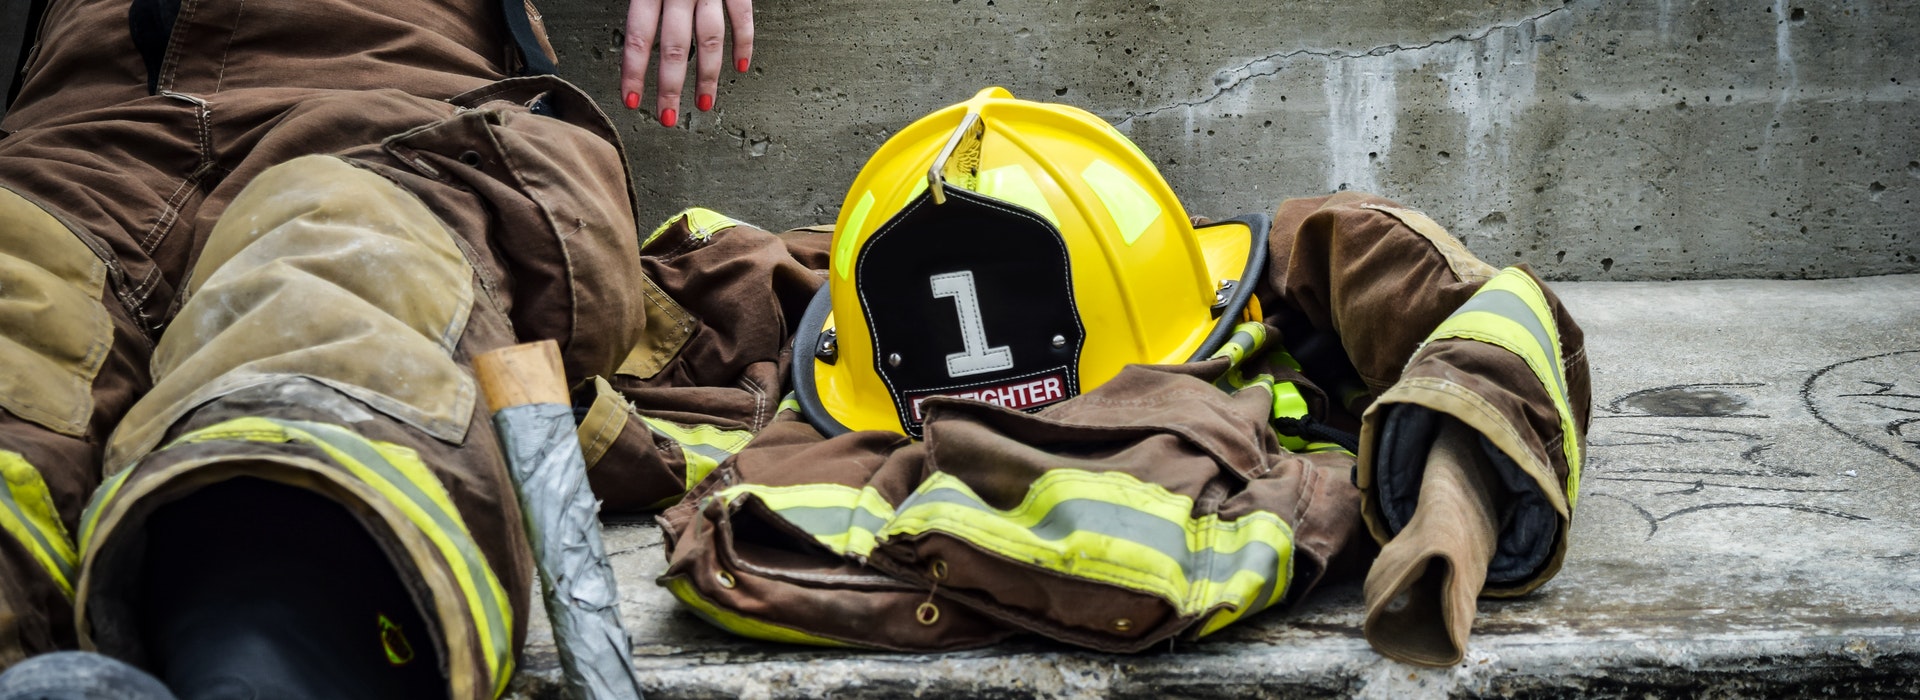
<point x="677" y="24"/>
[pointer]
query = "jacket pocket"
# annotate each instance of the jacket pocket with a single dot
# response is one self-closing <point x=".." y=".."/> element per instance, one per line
<point x="562" y="212"/>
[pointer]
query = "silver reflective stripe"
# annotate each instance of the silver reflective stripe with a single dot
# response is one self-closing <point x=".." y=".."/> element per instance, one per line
<point x="1510" y="306"/>
<point x="714" y="453"/>
<point x="64" y="567"/>
<point x="831" y="521"/>
<point x="1128" y="524"/>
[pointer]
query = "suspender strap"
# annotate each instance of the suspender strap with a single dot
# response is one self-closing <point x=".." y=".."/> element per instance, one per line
<point x="533" y="58"/>
<point x="19" y="19"/>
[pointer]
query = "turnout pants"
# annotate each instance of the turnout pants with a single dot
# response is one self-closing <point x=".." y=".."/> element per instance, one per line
<point x="267" y="249"/>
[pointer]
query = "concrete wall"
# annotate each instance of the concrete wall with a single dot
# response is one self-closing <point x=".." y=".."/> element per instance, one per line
<point x="1595" y="139"/>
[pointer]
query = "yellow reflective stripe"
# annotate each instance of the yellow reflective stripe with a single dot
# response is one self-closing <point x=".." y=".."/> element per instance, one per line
<point x="1511" y="311"/>
<point x="394" y="639"/>
<point x="1132" y="207"/>
<point x="1246" y="338"/>
<point x="788" y="403"/>
<point x="1300" y="445"/>
<point x="1012" y="183"/>
<point x="703" y="447"/>
<point x="740" y="624"/>
<point x="1285" y="359"/>
<point x="845" y="237"/>
<point x="919" y="185"/>
<point x="425" y="501"/>
<point x="1318" y="447"/>
<point x="398" y="475"/>
<point x="1288" y="401"/>
<point x="1112" y="528"/>
<point x="27" y="513"/>
<point x="90" y="517"/>
<point x="701" y="224"/>
<point x="842" y="518"/>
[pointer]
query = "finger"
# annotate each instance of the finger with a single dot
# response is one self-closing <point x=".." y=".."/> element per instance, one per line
<point x="740" y="13"/>
<point x="643" y="19"/>
<point x="676" y="40"/>
<point x="709" y="24"/>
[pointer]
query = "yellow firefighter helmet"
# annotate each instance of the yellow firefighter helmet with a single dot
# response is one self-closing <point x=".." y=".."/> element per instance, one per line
<point x="1013" y="252"/>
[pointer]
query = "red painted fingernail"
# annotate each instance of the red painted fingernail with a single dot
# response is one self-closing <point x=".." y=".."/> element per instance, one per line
<point x="669" y="117"/>
<point x="633" y="100"/>
<point x="740" y="65"/>
<point x="705" y="103"/>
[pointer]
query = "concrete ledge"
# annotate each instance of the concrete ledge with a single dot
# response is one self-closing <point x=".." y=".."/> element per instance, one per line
<point x="1747" y="526"/>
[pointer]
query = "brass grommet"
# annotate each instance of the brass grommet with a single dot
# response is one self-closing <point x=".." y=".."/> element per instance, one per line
<point x="938" y="570"/>
<point x="927" y="613"/>
<point x="1122" y="624"/>
<point x="726" y="579"/>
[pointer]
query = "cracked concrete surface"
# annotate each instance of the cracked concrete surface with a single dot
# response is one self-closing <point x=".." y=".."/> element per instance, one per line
<point x="1228" y="79"/>
<point x="1604" y="140"/>
<point x="1745" y="529"/>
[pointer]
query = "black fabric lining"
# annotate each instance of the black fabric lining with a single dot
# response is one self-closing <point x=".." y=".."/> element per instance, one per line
<point x="1527" y="523"/>
<point x="151" y="23"/>
<point x="1315" y="431"/>
<point x="19" y="24"/>
<point x="533" y="60"/>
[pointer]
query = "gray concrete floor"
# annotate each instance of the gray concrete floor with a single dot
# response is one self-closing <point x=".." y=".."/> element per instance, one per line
<point x="1747" y="526"/>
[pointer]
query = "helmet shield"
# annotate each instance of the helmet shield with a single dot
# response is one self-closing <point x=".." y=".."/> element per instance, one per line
<point x="970" y="298"/>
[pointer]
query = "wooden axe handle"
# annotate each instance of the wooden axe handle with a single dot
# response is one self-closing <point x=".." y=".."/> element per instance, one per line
<point x="522" y="374"/>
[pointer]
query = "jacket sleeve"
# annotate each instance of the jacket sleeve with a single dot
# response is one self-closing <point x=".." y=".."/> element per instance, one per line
<point x="1428" y="330"/>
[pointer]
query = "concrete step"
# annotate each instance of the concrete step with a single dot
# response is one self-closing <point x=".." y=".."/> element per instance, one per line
<point x="1747" y="526"/>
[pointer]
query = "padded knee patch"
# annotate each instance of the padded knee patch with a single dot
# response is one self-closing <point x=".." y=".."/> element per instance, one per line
<point x="54" y="331"/>
<point x="326" y="271"/>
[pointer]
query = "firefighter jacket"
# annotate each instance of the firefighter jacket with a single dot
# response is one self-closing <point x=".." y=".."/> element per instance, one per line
<point x="1169" y="502"/>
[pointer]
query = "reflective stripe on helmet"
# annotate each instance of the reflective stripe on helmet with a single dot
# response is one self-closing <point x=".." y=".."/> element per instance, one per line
<point x="843" y="245"/>
<point x="1013" y="184"/>
<point x="1112" y="528"/>
<point x="27" y="513"/>
<point x="1511" y="311"/>
<point x="396" y="473"/>
<point x="1130" y="205"/>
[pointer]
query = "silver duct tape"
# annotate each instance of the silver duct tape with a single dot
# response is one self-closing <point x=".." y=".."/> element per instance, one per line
<point x="562" y="519"/>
